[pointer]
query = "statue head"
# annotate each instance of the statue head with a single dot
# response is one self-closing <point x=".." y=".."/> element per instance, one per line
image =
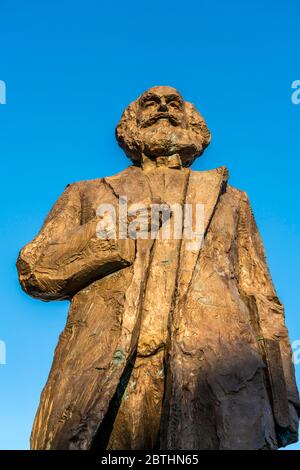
<point x="160" y="123"/>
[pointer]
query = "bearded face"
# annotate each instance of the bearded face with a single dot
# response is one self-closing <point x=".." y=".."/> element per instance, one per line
<point x="161" y="104"/>
<point x="160" y="123"/>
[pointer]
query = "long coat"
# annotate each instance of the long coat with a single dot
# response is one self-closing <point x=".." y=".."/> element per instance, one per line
<point x="212" y="314"/>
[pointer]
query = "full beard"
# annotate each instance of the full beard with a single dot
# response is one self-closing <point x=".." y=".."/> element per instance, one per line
<point x="163" y="139"/>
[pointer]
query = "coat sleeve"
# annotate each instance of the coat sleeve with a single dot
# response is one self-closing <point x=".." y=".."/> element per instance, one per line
<point x="267" y="318"/>
<point x="66" y="256"/>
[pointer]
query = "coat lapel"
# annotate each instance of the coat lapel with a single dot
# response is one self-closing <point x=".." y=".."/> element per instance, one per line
<point x="203" y="191"/>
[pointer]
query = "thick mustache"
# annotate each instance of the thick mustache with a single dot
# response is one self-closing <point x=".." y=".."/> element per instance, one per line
<point x="173" y="120"/>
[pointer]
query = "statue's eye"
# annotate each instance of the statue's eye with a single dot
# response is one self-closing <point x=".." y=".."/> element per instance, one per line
<point x="149" y="103"/>
<point x="174" y="104"/>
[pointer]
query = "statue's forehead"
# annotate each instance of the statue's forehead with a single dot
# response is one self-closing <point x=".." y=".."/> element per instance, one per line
<point x="161" y="91"/>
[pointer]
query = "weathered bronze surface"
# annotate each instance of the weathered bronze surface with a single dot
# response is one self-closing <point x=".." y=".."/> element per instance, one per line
<point x="165" y="347"/>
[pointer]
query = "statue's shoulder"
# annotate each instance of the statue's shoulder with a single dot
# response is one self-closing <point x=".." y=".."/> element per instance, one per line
<point x="213" y="179"/>
<point x="221" y="176"/>
<point x="219" y="173"/>
<point x="96" y="182"/>
<point x="131" y="171"/>
<point x="121" y="181"/>
<point x="236" y="193"/>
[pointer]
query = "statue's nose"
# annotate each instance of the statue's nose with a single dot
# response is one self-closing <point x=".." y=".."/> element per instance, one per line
<point x="163" y="106"/>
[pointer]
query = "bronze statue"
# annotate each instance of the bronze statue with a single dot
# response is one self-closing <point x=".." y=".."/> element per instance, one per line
<point x="170" y="342"/>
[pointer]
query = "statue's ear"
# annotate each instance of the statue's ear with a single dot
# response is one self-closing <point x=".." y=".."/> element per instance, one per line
<point x="198" y="124"/>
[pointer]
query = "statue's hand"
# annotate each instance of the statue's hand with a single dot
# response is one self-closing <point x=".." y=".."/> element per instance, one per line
<point x="148" y="218"/>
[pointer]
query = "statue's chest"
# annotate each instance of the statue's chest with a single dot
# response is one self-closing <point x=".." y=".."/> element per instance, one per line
<point x="163" y="270"/>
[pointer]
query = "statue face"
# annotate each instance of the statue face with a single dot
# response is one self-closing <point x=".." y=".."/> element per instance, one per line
<point x="161" y="104"/>
<point x="160" y="124"/>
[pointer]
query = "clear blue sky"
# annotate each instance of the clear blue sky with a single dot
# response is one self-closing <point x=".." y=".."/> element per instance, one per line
<point x="70" y="68"/>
